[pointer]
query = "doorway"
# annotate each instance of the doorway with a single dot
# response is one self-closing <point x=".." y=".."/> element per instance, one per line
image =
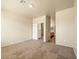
<point x="41" y="31"/>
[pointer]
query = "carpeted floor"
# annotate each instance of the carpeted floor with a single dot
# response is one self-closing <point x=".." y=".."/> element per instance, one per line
<point x="36" y="49"/>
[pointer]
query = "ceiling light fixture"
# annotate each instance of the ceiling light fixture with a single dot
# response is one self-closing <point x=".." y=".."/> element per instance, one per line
<point x="30" y="5"/>
<point x="28" y="2"/>
<point x="22" y="1"/>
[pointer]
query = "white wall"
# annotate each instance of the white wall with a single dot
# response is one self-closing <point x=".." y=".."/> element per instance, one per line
<point x="66" y="27"/>
<point x="15" y="28"/>
<point x="75" y="28"/>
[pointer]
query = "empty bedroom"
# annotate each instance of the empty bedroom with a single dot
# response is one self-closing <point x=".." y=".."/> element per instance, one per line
<point x="38" y="29"/>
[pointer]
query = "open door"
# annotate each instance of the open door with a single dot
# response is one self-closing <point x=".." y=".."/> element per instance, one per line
<point x="41" y="31"/>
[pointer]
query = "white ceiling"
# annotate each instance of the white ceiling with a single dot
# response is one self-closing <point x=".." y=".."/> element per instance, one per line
<point x="41" y="7"/>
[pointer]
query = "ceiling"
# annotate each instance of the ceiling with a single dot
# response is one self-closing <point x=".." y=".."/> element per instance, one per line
<point x="40" y="7"/>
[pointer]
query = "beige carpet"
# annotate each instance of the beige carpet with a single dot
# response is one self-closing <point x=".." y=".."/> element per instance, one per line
<point x="36" y="49"/>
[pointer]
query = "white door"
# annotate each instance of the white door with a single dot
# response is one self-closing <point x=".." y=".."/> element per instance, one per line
<point x="35" y="32"/>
